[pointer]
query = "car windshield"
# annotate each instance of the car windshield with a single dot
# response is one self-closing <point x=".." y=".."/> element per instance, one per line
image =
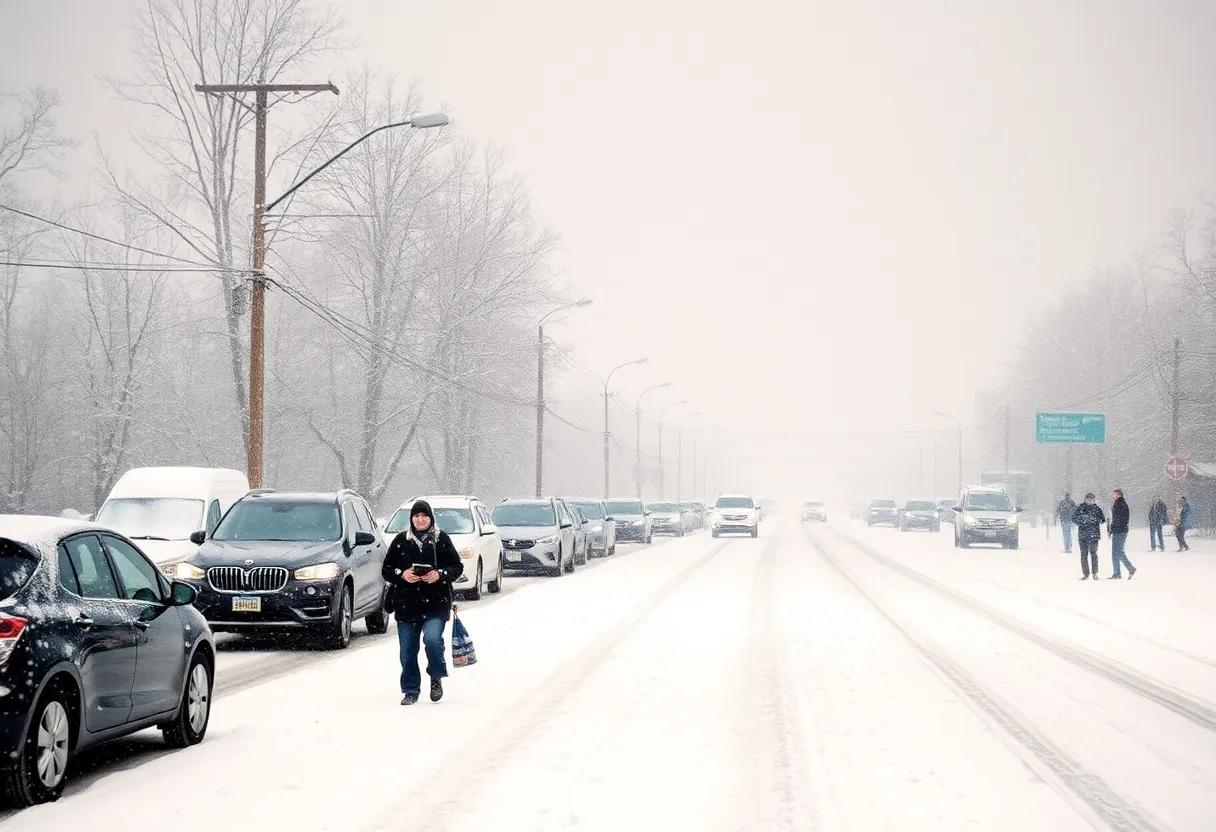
<point x="524" y="514"/>
<point x="982" y="501"/>
<point x="883" y="504"/>
<point x="735" y="502"/>
<point x="948" y="503"/>
<point x="665" y="508"/>
<point x="920" y="505"/>
<point x="286" y="520"/>
<point x="450" y="520"/>
<point x="628" y="508"/>
<point x="153" y="518"/>
<point x="592" y="511"/>
<point x="17" y="564"/>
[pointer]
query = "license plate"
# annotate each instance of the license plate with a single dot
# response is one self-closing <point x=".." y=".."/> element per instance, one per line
<point x="245" y="603"/>
<point x="514" y="557"/>
<point x="988" y="533"/>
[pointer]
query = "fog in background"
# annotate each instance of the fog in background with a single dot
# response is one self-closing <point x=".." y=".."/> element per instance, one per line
<point x="820" y="222"/>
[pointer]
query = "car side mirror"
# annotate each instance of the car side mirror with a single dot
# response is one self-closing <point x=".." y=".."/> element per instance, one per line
<point x="198" y="538"/>
<point x="1019" y="509"/>
<point x="609" y="519"/>
<point x="567" y="525"/>
<point x="182" y="594"/>
<point x="956" y="509"/>
<point x="365" y="539"/>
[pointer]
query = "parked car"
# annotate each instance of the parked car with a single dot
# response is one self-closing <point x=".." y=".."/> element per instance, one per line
<point x="536" y="533"/>
<point x="632" y="520"/>
<point x="735" y="514"/>
<point x="945" y="510"/>
<point x="919" y="514"/>
<point x="95" y="644"/>
<point x="603" y="526"/>
<point x="467" y="521"/>
<point x="668" y="518"/>
<point x="814" y="510"/>
<point x="292" y="563"/>
<point x="582" y="535"/>
<point x="985" y="515"/>
<point x="160" y="508"/>
<point x="882" y="512"/>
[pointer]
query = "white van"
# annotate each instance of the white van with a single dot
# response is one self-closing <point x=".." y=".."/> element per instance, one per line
<point x="159" y="508"/>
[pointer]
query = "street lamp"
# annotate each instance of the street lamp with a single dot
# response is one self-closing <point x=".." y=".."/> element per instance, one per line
<point x="680" y="455"/>
<point x="638" y="475"/>
<point x="607" y="436"/>
<point x="662" y="414"/>
<point x="959" y="426"/>
<point x="540" y="385"/>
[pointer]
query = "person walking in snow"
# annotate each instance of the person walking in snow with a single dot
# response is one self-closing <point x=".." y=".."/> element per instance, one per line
<point x="1120" y="521"/>
<point x="1158" y="516"/>
<point x="422" y="598"/>
<point x="1065" y="510"/>
<point x="1089" y="519"/>
<point x="1183" y="525"/>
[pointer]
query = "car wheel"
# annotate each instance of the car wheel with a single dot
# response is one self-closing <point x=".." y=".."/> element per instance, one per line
<point x="1013" y="544"/>
<point x="586" y="556"/>
<point x="612" y="549"/>
<point x="340" y="628"/>
<point x="963" y="542"/>
<point x="560" y="569"/>
<point x="571" y="562"/>
<point x="377" y="622"/>
<point x="713" y="533"/>
<point x="189" y="725"/>
<point x="41" y="772"/>
<point x="474" y="594"/>
<point x="495" y="586"/>
<point x="755" y="532"/>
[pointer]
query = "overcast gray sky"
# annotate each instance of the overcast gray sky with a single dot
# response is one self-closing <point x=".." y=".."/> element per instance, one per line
<point x="785" y="203"/>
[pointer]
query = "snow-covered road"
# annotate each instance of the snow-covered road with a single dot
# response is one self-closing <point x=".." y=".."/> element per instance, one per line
<point x="831" y="678"/>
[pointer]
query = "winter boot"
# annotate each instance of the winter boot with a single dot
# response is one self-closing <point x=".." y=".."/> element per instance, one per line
<point x="436" y="689"/>
<point x="1131" y="573"/>
<point x="409" y="699"/>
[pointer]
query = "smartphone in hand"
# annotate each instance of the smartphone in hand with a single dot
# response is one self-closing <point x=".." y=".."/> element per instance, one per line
<point x="422" y="568"/>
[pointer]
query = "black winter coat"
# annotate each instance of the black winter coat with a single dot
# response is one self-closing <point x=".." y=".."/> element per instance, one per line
<point x="1158" y="515"/>
<point x="417" y="602"/>
<point x="1065" y="509"/>
<point x="1120" y="517"/>
<point x="1089" y="519"/>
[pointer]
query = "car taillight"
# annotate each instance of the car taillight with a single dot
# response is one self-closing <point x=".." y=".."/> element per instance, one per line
<point x="11" y="628"/>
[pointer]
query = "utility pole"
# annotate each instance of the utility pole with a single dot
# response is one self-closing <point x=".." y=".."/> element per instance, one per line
<point x="695" y="492"/>
<point x="1177" y="414"/>
<point x="639" y="462"/>
<point x="540" y="406"/>
<point x="1006" y="441"/>
<point x="607" y="439"/>
<point x="257" y="318"/>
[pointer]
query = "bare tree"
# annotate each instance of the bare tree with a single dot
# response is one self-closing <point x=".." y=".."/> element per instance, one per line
<point x="179" y="43"/>
<point x="31" y="140"/>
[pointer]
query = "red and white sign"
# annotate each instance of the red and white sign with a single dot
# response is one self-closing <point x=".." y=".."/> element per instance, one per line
<point x="1176" y="468"/>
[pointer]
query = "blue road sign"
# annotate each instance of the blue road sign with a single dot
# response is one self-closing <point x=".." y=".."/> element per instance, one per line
<point x="1070" y="428"/>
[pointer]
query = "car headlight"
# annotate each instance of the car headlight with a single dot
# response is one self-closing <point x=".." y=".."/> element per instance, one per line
<point x="1013" y="521"/>
<point x="466" y="554"/>
<point x="968" y="521"/>
<point x="639" y="522"/>
<point x="187" y="572"/>
<point x="319" y="572"/>
<point x="545" y="541"/>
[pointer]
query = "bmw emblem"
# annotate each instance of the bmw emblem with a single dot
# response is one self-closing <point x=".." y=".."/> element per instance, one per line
<point x="248" y="562"/>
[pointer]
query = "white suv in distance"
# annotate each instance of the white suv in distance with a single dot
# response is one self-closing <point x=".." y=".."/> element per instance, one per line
<point x="735" y="514"/>
<point x="467" y="521"/>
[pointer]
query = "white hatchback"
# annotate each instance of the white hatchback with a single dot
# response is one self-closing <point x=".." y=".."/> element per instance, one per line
<point x="467" y="521"/>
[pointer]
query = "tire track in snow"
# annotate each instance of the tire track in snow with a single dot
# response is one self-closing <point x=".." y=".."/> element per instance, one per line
<point x="1125" y="677"/>
<point x="780" y="772"/>
<point x="481" y="759"/>
<point x="1072" y="778"/>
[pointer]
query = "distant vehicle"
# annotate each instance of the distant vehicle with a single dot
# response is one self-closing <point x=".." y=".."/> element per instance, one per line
<point x="814" y="510"/>
<point x="735" y="514"/>
<point x="632" y="520"/>
<point x="95" y="644"/>
<point x="161" y="507"/>
<point x="668" y="518"/>
<point x="701" y="514"/>
<point x="882" y="513"/>
<point x="536" y="533"/>
<point x="945" y="510"/>
<point x="919" y="514"/>
<point x="603" y="526"/>
<point x="468" y="523"/>
<point x="985" y="515"/>
<point x="292" y="562"/>
<point x="582" y="535"/>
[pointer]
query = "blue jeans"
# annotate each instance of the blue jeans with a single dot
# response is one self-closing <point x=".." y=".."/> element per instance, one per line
<point x="1118" y="542"/>
<point x="1156" y="536"/>
<point x="431" y="633"/>
<point x="1066" y="530"/>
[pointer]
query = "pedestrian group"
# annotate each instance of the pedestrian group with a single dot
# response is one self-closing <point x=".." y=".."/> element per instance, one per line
<point x="1088" y="518"/>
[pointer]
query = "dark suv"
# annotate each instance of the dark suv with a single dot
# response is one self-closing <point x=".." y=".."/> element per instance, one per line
<point x="95" y="644"/>
<point x="284" y="562"/>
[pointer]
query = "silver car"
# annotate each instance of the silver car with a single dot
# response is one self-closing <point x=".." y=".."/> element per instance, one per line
<point x="601" y="529"/>
<point x="537" y="534"/>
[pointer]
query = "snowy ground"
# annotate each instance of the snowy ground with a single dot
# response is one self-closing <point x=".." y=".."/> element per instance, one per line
<point x="821" y="677"/>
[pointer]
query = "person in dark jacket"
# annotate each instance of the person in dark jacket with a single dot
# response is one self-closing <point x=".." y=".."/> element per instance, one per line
<point x="1065" y="510"/>
<point x="1120" y="521"/>
<point x="421" y="599"/>
<point x="1158" y="516"/>
<point x="1089" y="519"/>
<point x="1183" y="525"/>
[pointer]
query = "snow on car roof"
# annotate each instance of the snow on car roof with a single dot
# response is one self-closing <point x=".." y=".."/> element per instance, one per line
<point x="38" y="531"/>
<point x="441" y="501"/>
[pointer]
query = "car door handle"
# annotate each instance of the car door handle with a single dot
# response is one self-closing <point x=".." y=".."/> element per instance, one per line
<point x="83" y="620"/>
<point x="142" y="625"/>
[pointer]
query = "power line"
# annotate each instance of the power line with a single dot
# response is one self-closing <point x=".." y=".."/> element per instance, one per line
<point x="111" y="267"/>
